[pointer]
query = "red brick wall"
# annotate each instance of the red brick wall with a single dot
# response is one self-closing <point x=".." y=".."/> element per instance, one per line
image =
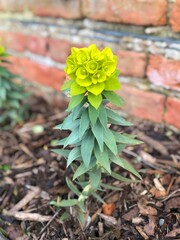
<point x="145" y="35"/>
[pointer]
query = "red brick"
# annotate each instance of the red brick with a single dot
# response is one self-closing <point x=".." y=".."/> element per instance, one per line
<point x="59" y="49"/>
<point x="131" y="63"/>
<point x="13" y="5"/>
<point x="69" y="9"/>
<point x="138" y="12"/>
<point x="172" y="114"/>
<point x="37" y="45"/>
<point x="34" y="71"/>
<point x="175" y="16"/>
<point x="14" y="41"/>
<point x="143" y="104"/>
<point x="164" y="72"/>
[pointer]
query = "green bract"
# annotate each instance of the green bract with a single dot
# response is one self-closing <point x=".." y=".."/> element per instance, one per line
<point x="91" y="72"/>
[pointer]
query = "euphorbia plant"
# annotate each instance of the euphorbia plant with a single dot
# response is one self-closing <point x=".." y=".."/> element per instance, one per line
<point x="12" y="110"/>
<point x="92" y="146"/>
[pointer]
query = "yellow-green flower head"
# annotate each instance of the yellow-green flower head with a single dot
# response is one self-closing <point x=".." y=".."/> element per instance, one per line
<point x="91" y="71"/>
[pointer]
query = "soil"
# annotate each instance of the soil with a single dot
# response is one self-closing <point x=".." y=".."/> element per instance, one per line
<point x="31" y="176"/>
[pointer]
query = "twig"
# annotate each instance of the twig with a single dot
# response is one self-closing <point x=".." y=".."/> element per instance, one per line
<point x="53" y="217"/>
<point x="25" y="200"/>
<point x="170" y="195"/>
<point x="23" y="216"/>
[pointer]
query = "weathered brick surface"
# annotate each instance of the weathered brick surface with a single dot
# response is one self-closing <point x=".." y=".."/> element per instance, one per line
<point x="172" y="114"/>
<point x="146" y="105"/>
<point x="131" y="63"/>
<point x="14" y="41"/>
<point x="59" y="49"/>
<point x="69" y="9"/>
<point x="138" y="12"/>
<point x="37" y="45"/>
<point x="175" y="16"/>
<point x="165" y="72"/>
<point x="13" y="5"/>
<point x="34" y="71"/>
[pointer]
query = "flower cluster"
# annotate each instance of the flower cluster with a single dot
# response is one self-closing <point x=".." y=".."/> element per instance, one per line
<point x="91" y="71"/>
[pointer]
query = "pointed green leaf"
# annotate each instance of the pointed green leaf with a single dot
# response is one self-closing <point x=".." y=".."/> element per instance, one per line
<point x="75" y="100"/>
<point x="95" y="177"/>
<point x="98" y="197"/>
<point x="72" y="138"/>
<point x="102" y="158"/>
<point x="74" y="154"/>
<point x="122" y="179"/>
<point x="73" y="188"/>
<point x="111" y="187"/>
<point x="115" y="118"/>
<point x="68" y="203"/>
<point x="103" y="116"/>
<point x="126" y="139"/>
<point x="87" y="146"/>
<point x="84" y="123"/>
<point x="110" y="141"/>
<point x="94" y="100"/>
<point x="67" y="85"/>
<point x="63" y="152"/>
<point x="93" y="114"/>
<point x="124" y="164"/>
<point x="113" y="98"/>
<point x="83" y="169"/>
<point x="97" y="130"/>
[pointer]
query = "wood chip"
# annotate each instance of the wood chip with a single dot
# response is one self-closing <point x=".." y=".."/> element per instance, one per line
<point x="23" y="216"/>
<point x="142" y="233"/>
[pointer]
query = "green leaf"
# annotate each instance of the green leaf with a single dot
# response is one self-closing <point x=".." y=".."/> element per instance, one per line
<point x="110" y="141"/>
<point x="72" y="138"/>
<point x="97" y="130"/>
<point x="68" y="124"/>
<point x="63" y="152"/>
<point x="98" y="197"/>
<point x="102" y="158"/>
<point x="83" y="169"/>
<point x="75" y="100"/>
<point x="126" y="139"/>
<point x="74" y="154"/>
<point x="124" y="164"/>
<point x="107" y="186"/>
<point x="115" y="118"/>
<point x="95" y="177"/>
<point x="94" y="100"/>
<point x="73" y="188"/>
<point x="68" y="203"/>
<point x="103" y="116"/>
<point x="122" y="179"/>
<point x="113" y="98"/>
<point x="84" y="123"/>
<point x="93" y="114"/>
<point x="87" y="146"/>
<point x="67" y="85"/>
<point x="76" y="89"/>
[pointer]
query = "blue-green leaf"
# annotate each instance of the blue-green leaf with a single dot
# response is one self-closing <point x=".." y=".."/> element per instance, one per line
<point x="102" y="158"/>
<point x="113" y="98"/>
<point x="74" y="154"/>
<point x="84" y="123"/>
<point x="87" y="146"/>
<point x="75" y="100"/>
<point x="110" y="141"/>
<point x="97" y="130"/>
<point x="93" y="114"/>
<point x="115" y="118"/>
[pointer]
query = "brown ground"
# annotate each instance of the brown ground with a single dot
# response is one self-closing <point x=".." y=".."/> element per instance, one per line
<point x="31" y="176"/>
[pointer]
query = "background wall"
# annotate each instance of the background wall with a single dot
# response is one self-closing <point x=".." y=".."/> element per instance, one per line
<point x="145" y="34"/>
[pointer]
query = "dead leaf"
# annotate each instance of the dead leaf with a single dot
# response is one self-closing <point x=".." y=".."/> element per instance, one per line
<point x="146" y="210"/>
<point x="173" y="233"/>
<point x="131" y="214"/>
<point x="110" y="221"/>
<point x="150" y="227"/>
<point x="15" y="232"/>
<point x="172" y="203"/>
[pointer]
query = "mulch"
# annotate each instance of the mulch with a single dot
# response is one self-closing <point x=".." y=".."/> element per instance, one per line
<point x="31" y="176"/>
